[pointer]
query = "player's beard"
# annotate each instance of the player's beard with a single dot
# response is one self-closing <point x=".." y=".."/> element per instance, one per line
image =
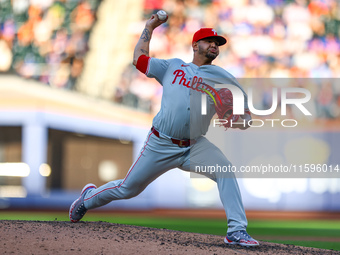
<point x="207" y="53"/>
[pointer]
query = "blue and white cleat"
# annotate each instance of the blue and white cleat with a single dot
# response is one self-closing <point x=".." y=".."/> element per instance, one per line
<point x="77" y="209"/>
<point x="241" y="238"/>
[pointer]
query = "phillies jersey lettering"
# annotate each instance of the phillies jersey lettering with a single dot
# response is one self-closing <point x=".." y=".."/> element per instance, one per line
<point x="183" y="84"/>
<point x="196" y="83"/>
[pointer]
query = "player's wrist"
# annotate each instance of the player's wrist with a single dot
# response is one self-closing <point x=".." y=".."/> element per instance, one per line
<point x="149" y="27"/>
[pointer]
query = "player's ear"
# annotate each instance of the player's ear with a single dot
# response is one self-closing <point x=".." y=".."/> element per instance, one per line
<point x="195" y="46"/>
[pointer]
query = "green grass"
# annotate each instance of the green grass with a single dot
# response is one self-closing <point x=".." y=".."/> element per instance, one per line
<point x="42" y="216"/>
<point x="298" y="224"/>
<point x="287" y="232"/>
<point x="307" y="228"/>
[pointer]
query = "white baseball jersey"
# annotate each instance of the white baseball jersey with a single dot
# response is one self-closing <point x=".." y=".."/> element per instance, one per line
<point x="183" y="85"/>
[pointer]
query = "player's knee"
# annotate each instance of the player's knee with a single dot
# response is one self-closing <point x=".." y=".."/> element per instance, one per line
<point x="130" y="193"/>
<point x="225" y="170"/>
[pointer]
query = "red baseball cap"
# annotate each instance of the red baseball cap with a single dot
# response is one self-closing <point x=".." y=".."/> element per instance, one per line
<point x="208" y="32"/>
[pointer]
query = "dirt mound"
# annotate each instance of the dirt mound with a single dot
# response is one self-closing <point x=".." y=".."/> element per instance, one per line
<point x="57" y="237"/>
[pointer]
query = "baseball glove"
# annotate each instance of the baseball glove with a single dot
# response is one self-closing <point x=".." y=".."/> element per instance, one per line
<point x="224" y="108"/>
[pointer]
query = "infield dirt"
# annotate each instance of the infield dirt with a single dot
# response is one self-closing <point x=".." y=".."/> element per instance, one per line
<point x="58" y="237"/>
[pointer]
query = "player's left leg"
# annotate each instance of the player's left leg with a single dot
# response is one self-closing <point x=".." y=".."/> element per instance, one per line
<point x="205" y="155"/>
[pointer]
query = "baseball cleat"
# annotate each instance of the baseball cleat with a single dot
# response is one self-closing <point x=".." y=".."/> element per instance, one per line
<point x="241" y="238"/>
<point x="77" y="209"/>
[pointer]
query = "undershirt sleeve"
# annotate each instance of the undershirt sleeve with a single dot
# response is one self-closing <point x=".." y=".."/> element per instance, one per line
<point x="143" y="64"/>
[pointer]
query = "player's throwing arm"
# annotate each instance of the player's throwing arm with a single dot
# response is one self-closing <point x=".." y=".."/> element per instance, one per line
<point x="142" y="47"/>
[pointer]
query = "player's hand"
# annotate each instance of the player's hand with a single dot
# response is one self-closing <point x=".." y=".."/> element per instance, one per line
<point x="239" y="121"/>
<point x="154" y="22"/>
<point x="246" y="122"/>
<point x="234" y="119"/>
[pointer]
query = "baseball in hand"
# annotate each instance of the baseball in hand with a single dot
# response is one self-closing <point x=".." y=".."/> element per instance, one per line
<point x="161" y="15"/>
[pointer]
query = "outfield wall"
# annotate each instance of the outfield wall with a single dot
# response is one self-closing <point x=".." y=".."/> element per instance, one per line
<point x="83" y="140"/>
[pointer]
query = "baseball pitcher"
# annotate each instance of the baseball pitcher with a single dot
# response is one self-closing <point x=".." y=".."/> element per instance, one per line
<point x="176" y="139"/>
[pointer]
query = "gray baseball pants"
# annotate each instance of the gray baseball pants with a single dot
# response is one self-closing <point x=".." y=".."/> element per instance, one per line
<point x="159" y="155"/>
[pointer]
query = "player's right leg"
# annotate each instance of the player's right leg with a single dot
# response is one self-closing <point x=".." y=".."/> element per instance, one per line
<point x="147" y="167"/>
<point x="155" y="158"/>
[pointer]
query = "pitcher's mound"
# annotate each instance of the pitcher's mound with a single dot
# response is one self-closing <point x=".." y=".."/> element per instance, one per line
<point x="57" y="237"/>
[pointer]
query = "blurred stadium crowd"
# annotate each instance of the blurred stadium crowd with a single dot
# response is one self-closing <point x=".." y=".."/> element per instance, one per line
<point x="267" y="39"/>
<point x="47" y="40"/>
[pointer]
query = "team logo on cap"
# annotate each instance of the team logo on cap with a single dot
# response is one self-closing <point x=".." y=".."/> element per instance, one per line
<point x="215" y="33"/>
